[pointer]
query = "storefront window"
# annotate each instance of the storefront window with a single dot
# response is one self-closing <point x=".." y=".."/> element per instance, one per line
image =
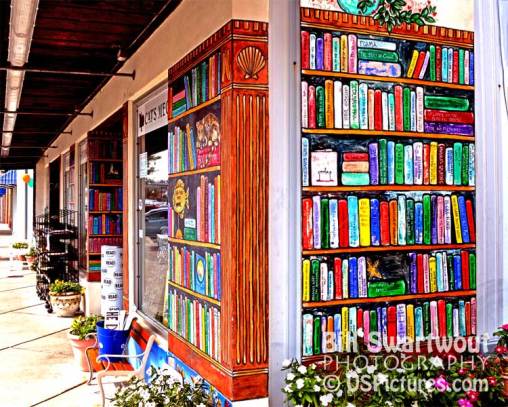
<point x="153" y="206"/>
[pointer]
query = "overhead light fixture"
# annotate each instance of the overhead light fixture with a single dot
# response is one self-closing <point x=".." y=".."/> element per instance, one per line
<point x="13" y="87"/>
<point x="6" y="139"/>
<point x="22" y="22"/>
<point x="9" y="122"/>
<point x="120" y="55"/>
<point x="21" y="29"/>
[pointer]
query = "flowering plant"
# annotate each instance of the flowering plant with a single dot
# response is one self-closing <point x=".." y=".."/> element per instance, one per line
<point x="395" y="12"/>
<point x="502" y="333"/>
<point x="428" y="383"/>
<point x="163" y="390"/>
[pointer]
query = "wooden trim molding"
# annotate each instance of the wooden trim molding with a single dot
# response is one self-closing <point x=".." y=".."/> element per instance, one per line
<point x="125" y="203"/>
<point x="327" y="20"/>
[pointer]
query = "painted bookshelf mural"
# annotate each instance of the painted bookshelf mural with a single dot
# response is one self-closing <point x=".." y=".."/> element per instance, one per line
<point x="216" y="298"/>
<point x="388" y="181"/>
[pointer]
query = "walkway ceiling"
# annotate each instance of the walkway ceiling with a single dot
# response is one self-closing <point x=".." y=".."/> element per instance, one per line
<point x="72" y="35"/>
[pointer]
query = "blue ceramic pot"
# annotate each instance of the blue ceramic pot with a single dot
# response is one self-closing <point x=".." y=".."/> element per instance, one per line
<point x="351" y="7"/>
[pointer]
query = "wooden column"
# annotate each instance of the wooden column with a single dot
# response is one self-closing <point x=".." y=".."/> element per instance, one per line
<point x="125" y="203"/>
<point x="242" y="372"/>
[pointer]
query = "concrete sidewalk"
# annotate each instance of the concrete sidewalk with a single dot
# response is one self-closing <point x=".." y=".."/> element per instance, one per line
<point x="36" y="367"/>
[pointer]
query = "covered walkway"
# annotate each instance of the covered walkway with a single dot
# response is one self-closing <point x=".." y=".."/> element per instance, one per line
<point x="37" y="367"/>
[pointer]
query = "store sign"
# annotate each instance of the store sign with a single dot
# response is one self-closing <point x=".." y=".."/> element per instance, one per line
<point x="153" y="113"/>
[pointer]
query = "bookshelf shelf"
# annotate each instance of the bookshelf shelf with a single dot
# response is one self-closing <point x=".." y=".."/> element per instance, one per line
<point x="194" y="243"/>
<point x="405" y="81"/>
<point x="429" y="247"/>
<point x="389" y="188"/>
<point x="425" y="296"/>
<point x="194" y="109"/>
<point x="195" y="294"/>
<point x="105" y="160"/>
<point x="194" y="172"/>
<point x="114" y="212"/>
<point x="105" y="185"/>
<point x="384" y="133"/>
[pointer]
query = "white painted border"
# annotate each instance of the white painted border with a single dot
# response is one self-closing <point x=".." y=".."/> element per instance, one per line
<point x="284" y="208"/>
<point x="492" y="171"/>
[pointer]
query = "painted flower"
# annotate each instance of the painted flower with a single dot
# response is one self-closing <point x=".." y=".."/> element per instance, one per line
<point x="505" y="327"/>
<point x="464" y="403"/>
<point x="299" y="384"/>
<point x="316" y="388"/>
<point x="288" y="389"/>
<point x="352" y="374"/>
<point x="492" y="380"/>
<point x="472" y="395"/>
<point x="436" y="361"/>
<point x="302" y="369"/>
<point x="339" y="393"/>
<point x="429" y="385"/>
<point x="381" y="378"/>
<point x="371" y="369"/>
<point x="441" y="384"/>
<point x="350" y="405"/>
<point x="326" y="399"/>
<point x="290" y="377"/>
<point x="286" y="363"/>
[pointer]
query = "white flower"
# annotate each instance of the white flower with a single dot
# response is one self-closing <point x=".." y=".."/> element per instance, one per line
<point x="436" y="361"/>
<point x="286" y="363"/>
<point x="429" y="385"/>
<point x="389" y="403"/>
<point x="350" y="405"/>
<point x="299" y="384"/>
<point x="290" y="377"/>
<point x="312" y="366"/>
<point x="317" y="378"/>
<point x="298" y="405"/>
<point x="339" y="393"/>
<point x="371" y="369"/>
<point x="288" y="389"/>
<point x="302" y="369"/>
<point x="359" y="332"/>
<point x="201" y="405"/>
<point x="326" y="399"/>
<point x="316" y="388"/>
<point x="381" y="378"/>
<point x="400" y="370"/>
<point x="351" y="374"/>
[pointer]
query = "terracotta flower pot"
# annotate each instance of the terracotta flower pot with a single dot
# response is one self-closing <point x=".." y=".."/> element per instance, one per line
<point x="65" y="304"/>
<point x="78" y="349"/>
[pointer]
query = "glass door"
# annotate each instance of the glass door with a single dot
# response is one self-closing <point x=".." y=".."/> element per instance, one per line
<point x="153" y="222"/>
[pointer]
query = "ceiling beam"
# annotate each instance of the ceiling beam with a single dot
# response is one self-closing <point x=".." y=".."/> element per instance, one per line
<point x="28" y="147"/>
<point x="29" y="132"/>
<point x="131" y="75"/>
<point x="43" y="113"/>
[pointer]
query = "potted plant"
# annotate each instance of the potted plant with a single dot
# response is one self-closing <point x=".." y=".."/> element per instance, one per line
<point x="20" y="248"/>
<point x="80" y="338"/>
<point x="30" y="256"/>
<point x="163" y="390"/>
<point x="65" y="297"/>
<point x="502" y="352"/>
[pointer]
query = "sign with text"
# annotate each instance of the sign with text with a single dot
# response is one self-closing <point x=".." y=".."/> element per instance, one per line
<point x="152" y="114"/>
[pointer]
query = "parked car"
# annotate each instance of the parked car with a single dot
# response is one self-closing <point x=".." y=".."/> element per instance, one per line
<point x="156" y="221"/>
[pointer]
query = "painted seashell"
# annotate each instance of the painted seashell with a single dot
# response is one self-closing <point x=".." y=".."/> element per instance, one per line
<point x="251" y="61"/>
